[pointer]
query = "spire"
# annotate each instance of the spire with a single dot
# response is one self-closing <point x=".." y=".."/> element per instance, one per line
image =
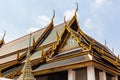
<point x="27" y="69"/>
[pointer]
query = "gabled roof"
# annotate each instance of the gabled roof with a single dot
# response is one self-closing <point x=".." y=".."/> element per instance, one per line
<point x="19" y="43"/>
<point x="46" y="46"/>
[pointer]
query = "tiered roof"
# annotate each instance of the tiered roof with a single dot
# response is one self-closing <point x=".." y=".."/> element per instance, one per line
<point x="57" y="48"/>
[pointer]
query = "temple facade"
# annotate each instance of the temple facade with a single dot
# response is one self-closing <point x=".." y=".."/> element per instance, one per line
<point x="61" y="52"/>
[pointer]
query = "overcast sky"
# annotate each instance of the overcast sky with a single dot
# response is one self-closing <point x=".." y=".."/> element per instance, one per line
<point x="98" y="18"/>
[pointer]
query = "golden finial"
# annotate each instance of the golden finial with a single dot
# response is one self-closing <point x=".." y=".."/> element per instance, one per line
<point x="53" y="15"/>
<point x="66" y="27"/>
<point x="76" y="9"/>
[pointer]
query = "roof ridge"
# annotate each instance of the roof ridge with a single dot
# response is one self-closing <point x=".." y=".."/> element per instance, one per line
<point x="31" y="34"/>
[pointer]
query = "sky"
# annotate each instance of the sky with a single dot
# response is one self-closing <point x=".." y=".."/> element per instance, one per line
<point x="100" y="19"/>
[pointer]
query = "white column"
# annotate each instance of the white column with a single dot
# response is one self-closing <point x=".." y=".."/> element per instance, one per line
<point x="102" y="75"/>
<point x="115" y="78"/>
<point x="71" y="74"/>
<point x="90" y="73"/>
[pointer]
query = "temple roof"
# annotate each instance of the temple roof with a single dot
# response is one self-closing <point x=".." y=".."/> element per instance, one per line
<point x="19" y="43"/>
<point x="54" y="47"/>
<point x="22" y="43"/>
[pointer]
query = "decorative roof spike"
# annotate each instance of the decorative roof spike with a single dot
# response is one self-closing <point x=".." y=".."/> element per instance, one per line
<point x="66" y="26"/>
<point x="53" y="16"/>
<point x="27" y="69"/>
<point x="76" y="9"/>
